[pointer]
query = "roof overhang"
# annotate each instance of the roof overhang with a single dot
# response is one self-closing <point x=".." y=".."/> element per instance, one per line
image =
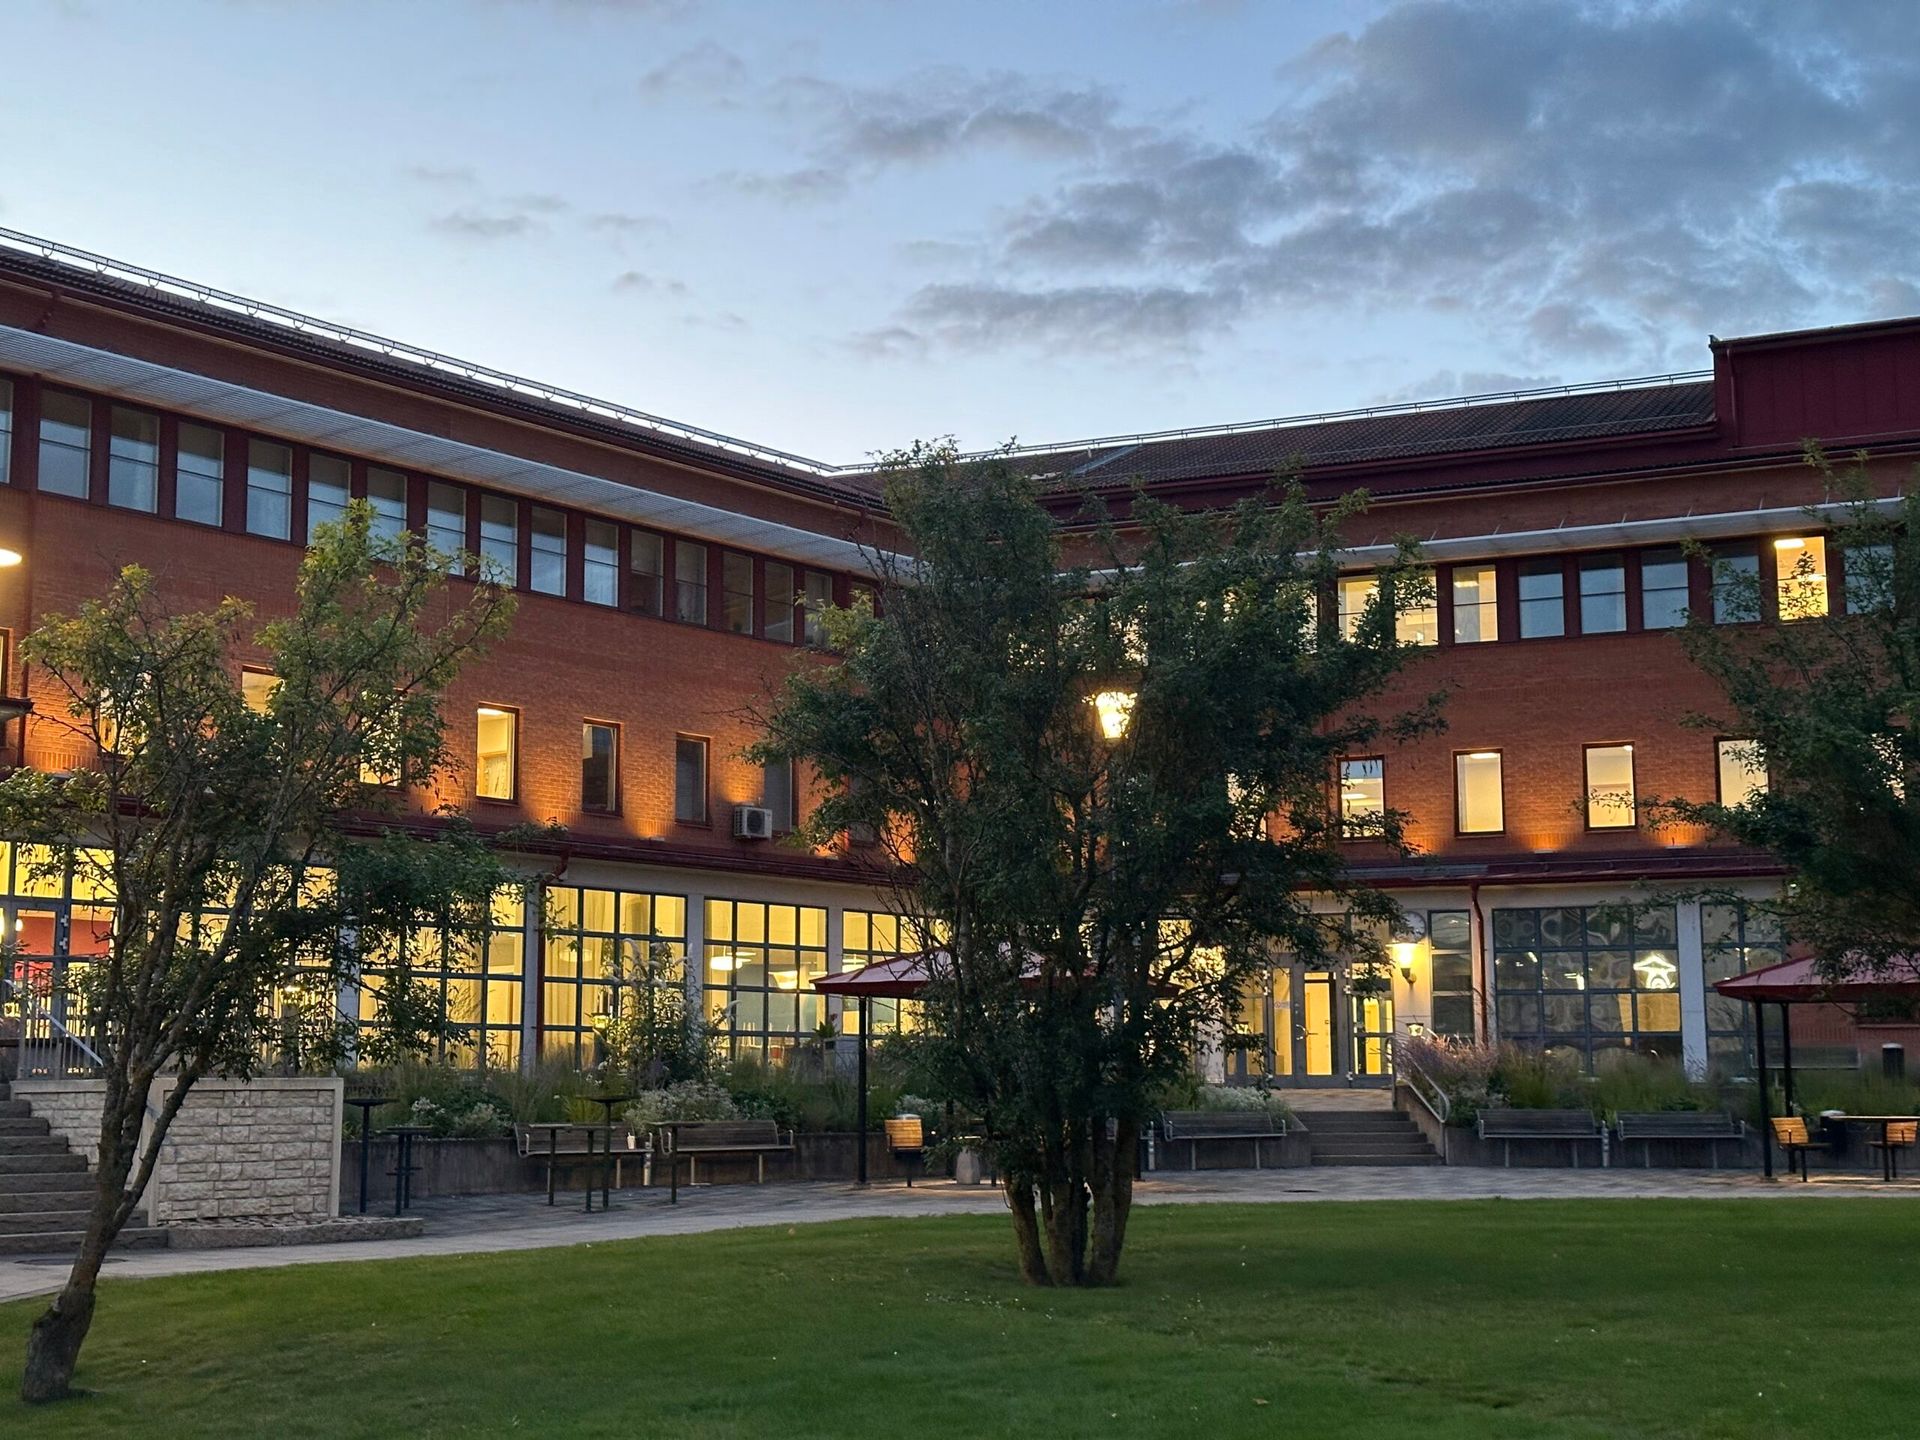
<point x="144" y="382"/>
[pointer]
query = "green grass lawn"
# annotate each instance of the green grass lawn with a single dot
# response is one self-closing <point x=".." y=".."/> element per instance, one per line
<point x="1575" y="1318"/>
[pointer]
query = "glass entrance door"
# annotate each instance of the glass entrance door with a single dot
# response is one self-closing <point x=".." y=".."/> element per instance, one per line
<point x="1317" y="1047"/>
<point x="1370" y="1019"/>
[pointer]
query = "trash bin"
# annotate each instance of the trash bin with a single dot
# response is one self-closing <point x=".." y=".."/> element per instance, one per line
<point x="1835" y="1131"/>
<point x="1893" y="1061"/>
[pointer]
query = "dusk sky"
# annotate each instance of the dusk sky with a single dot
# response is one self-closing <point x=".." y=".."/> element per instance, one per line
<point x="837" y="226"/>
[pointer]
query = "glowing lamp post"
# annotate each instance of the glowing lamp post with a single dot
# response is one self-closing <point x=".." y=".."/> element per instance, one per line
<point x="1114" y="709"/>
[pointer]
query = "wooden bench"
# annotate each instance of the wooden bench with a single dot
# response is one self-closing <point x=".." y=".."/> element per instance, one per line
<point x="1898" y="1135"/>
<point x="1790" y="1134"/>
<point x="1530" y="1126"/>
<point x="1197" y="1127"/>
<point x="690" y="1139"/>
<point x="1711" y="1126"/>
<point x="907" y="1141"/>
<point x="568" y="1147"/>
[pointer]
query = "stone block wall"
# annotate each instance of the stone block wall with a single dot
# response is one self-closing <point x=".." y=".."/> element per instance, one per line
<point x="257" y="1149"/>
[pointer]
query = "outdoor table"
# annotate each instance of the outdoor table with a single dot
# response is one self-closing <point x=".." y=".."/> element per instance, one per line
<point x="368" y="1104"/>
<point x="607" y="1102"/>
<point x="1886" y="1150"/>
<point x="403" y="1163"/>
<point x="553" y="1129"/>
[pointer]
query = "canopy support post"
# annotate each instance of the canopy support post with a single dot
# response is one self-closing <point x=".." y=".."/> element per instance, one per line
<point x="1786" y="1047"/>
<point x="1766" y="1101"/>
<point x="866" y="1024"/>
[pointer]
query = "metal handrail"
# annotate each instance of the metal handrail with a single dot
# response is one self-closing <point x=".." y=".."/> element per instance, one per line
<point x="47" y="1047"/>
<point x="1425" y="1088"/>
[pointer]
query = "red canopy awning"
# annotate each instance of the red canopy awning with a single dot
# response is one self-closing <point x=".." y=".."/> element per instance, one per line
<point x="900" y="977"/>
<point x="1797" y="982"/>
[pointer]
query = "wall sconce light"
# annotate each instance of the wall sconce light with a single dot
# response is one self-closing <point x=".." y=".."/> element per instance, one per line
<point x="9" y="558"/>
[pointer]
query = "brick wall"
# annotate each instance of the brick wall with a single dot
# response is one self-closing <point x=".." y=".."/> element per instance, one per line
<point x="266" y="1148"/>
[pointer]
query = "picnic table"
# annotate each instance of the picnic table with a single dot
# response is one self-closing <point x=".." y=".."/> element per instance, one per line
<point x="566" y="1142"/>
<point x="1885" y="1145"/>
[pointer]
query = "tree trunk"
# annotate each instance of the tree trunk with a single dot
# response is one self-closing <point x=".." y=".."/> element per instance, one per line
<point x="53" y="1345"/>
<point x="1112" y="1201"/>
<point x="1026" y="1230"/>
<point x="1063" y="1208"/>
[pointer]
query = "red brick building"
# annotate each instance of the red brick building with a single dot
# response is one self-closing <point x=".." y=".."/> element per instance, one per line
<point x="664" y="573"/>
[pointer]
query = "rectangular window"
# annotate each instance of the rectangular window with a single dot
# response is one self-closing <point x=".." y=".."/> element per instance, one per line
<point x="1543" y="607"/>
<point x="1736" y="585"/>
<point x="1869" y="582"/>
<point x="496" y="732"/>
<point x="690" y="582"/>
<point x="66" y="443"/>
<point x="1734" y="940"/>
<point x="781" y="601"/>
<point x="1356" y="593"/>
<point x="387" y="494"/>
<point x="1800" y="580"/>
<point x="1577" y="982"/>
<point x="605" y="949"/>
<point x="1603" y="594"/>
<point x="269" y="489"/>
<point x="1663" y="589"/>
<point x="1416" y="619"/>
<point x="1363" y="798"/>
<point x="600" y="564"/>
<point x="500" y="539"/>
<point x="690" y="780"/>
<point x="256" y="689"/>
<point x="647" y="572"/>
<point x="1450" y="942"/>
<point x="869" y="936"/>
<point x="1479" y="793"/>
<point x="6" y="430"/>
<point x="549" y="534"/>
<point x="819" y="597"/>
<point x="761" y="963"/>
<point x="328" y="491"/>
<point x="599" y="767"/>
<point x="1742" y="770"/>
<point x="446" y="517"/>
<point x="736" y="601"/>
<point x="199" y="475"/>
<point x="133" y="460"/>
<point x="1610" y="804"/>
<point x="1476" y="612"/>
<point x="780" y="795"/>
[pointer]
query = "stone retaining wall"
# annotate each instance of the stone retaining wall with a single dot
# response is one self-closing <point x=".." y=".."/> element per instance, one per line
<point x="254" y="1149"/>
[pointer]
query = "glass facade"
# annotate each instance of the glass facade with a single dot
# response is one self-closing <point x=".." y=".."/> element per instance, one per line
<point x="474" y="986"/>
<point x="761" y="963"/>
<point x="1578" y="980"/>
<point x="867" y="936"/>
<point x="592" y="938"/>
<point x="1734" y="940"/>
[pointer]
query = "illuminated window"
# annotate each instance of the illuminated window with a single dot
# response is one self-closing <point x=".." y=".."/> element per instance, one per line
<point x="328" y="491"/>
<point x="690" y="780"/>
<point x="869" y="936"/>
<point x="600" y="564"/>
<point x="781" y="602"/>
<point x="387" y="494"/>
<point x="495" y="733"/>
<point x="1603" y="594"/>
<point x="1543" y="607"/>
<point x="133" y="460"/>
<point x="269" y="489"/>
<point x="500" y="539"/>
<point x="66" y="443"/>
<point x="1582" y="981"/>
<point x="1476" y="612"/>
<point x="1363" y="798"/>
<point x="594" y="938"/>
<point x="1416" y="619"/>
<point x="1800" y="580"/>
<point x="689" y="582"/>
<point x="1479" y="799"/>
<point x="1736" y="585"/>
<point x="1663" y="589"/>
<point x="647" y="573"/>
<point x="736" y="580"/>
<point x="1610" y="803"/>
<point x="761" y="963"/>
<point x="549" y="545"/>
<point x="472" y="985"/>
<point x="599" y="767"/>
<point x="446" y="517"/>
<point x="1356" y="593"/>
<point x="257" y="689"/>
<point x="1742" y="770"/>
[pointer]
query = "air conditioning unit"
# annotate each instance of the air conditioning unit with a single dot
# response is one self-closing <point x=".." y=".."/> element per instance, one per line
<point x="752" y="822"/>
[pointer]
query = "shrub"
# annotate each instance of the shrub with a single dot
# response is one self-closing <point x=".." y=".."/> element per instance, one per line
<point x="688" y="1100"/>
<point x="1242" y="1097"/>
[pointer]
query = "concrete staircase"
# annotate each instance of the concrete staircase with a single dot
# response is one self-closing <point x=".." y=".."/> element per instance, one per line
<point x="1366" y="1137"/>
<point x="46" y="1189"/>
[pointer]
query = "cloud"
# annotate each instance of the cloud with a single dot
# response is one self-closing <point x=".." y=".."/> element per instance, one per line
<point x="475" y="224"/>
<point x="449" y="175"/>
<point x="708" y="70"/>
<point x="615" y="222"/>
<point x="636" y="282"/>
<point x="1582" y="182"/>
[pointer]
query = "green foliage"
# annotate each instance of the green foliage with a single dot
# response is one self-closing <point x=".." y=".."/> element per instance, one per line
<point x="1475" y="1077"/>
<point x="1829" y="700"/>
<point x="654" y="1035"/>
<point x="1243" y="1097"/>
<point x="1853" y="1091"/>
<point x="1103" y="897"/>
<point x="686" y="1100"/>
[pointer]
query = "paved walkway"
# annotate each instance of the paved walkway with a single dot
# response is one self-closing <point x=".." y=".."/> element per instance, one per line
<point x="483" y="1224"/>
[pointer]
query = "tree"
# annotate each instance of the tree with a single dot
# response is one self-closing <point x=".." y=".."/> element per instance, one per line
<point x="1070" y="769"/>
<point x="653" y="1036"/>
<point x="240" y="843"/>
<point x="1825" y="701"/>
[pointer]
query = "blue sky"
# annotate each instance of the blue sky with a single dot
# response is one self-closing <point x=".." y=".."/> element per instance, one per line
<point x="837" y="225"/>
